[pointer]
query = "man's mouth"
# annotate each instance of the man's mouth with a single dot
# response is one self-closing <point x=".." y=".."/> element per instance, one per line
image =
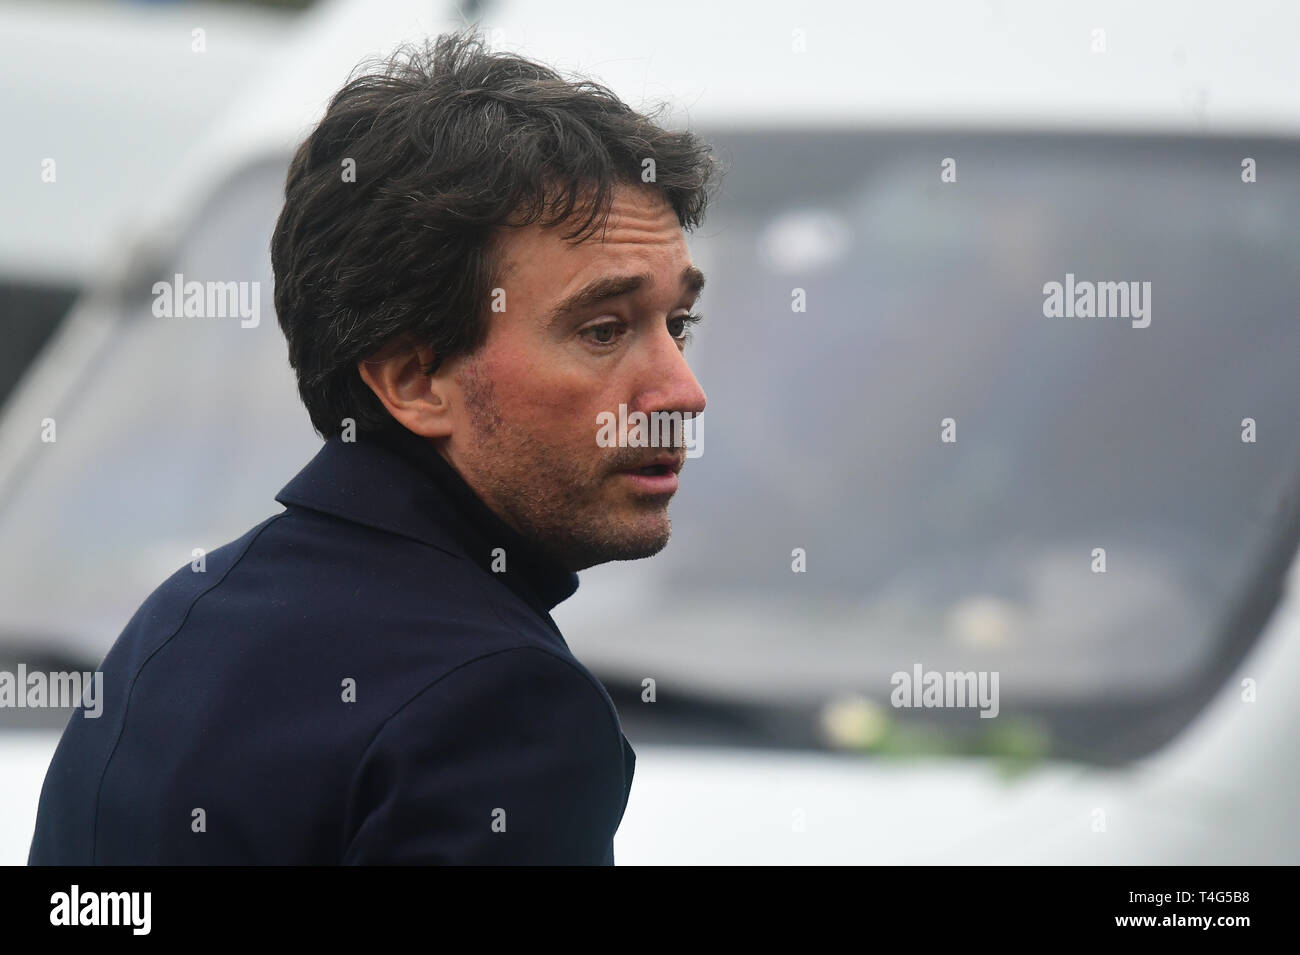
<point x="658" y="476"/>
<point x="658" y="465"/>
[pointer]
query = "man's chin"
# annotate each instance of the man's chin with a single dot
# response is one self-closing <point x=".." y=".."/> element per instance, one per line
<point x="626" y="543"/>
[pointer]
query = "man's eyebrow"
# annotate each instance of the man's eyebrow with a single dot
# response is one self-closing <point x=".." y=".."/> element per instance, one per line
<point x="616" y="286"/>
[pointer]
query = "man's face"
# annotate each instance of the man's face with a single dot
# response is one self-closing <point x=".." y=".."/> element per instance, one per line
<point x="525" y="427"/>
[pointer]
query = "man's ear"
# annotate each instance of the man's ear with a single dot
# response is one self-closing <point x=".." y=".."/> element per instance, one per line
<point x="420" y="402"/>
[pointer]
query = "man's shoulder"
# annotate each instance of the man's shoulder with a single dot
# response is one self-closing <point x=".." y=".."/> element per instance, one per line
<point x="165" y="608"/>
<point x="335" y="589"/>
<point x="305" y="598"/>
<point x="310" y="566"/>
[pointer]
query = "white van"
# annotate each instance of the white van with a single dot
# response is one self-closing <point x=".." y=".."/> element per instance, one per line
<point x="100" y="102"/>
<point x="915" y="463"/>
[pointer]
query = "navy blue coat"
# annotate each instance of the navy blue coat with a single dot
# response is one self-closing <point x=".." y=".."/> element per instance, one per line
<point x="349" y="682"/>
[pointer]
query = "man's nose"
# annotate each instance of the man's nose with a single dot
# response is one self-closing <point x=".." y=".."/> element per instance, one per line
<point x="669" y="383"/>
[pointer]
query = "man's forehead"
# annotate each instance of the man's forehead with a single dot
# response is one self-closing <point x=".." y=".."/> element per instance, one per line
<point x="637" y="216"/>
<point x="632" y="254"/>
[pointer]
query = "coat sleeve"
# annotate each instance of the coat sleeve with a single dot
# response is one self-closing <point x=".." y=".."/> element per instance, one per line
<point x="514" y="758"/>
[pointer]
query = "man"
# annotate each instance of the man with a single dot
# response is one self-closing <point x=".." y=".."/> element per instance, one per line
<point x="472" y="267"/>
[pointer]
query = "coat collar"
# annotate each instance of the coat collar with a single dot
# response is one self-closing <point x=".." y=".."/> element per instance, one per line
<point x="399" y="483"/>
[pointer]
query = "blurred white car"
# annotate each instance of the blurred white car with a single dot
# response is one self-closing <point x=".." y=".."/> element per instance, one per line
<point x="83" y="130"/>
<point x="916" y="179"/>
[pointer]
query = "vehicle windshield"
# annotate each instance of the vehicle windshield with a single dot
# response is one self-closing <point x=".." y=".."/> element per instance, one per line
<point x="178" y="436"/>
<point x="825" y="432"/>
<point x="925" y="302"/>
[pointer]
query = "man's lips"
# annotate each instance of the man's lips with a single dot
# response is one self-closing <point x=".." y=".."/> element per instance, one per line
<point x="659" y="464"/>
<point x="657" y="475"/>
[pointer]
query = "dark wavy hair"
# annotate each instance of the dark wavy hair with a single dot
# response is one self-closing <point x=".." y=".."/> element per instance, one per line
<point x="449" y="142"/>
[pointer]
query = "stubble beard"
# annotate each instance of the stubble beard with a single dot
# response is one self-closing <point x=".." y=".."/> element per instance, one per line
<point x="550" y="498"/>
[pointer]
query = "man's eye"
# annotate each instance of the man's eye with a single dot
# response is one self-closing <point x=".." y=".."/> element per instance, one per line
<point x="683" y="333"/>
<point x="602" y="334"/>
